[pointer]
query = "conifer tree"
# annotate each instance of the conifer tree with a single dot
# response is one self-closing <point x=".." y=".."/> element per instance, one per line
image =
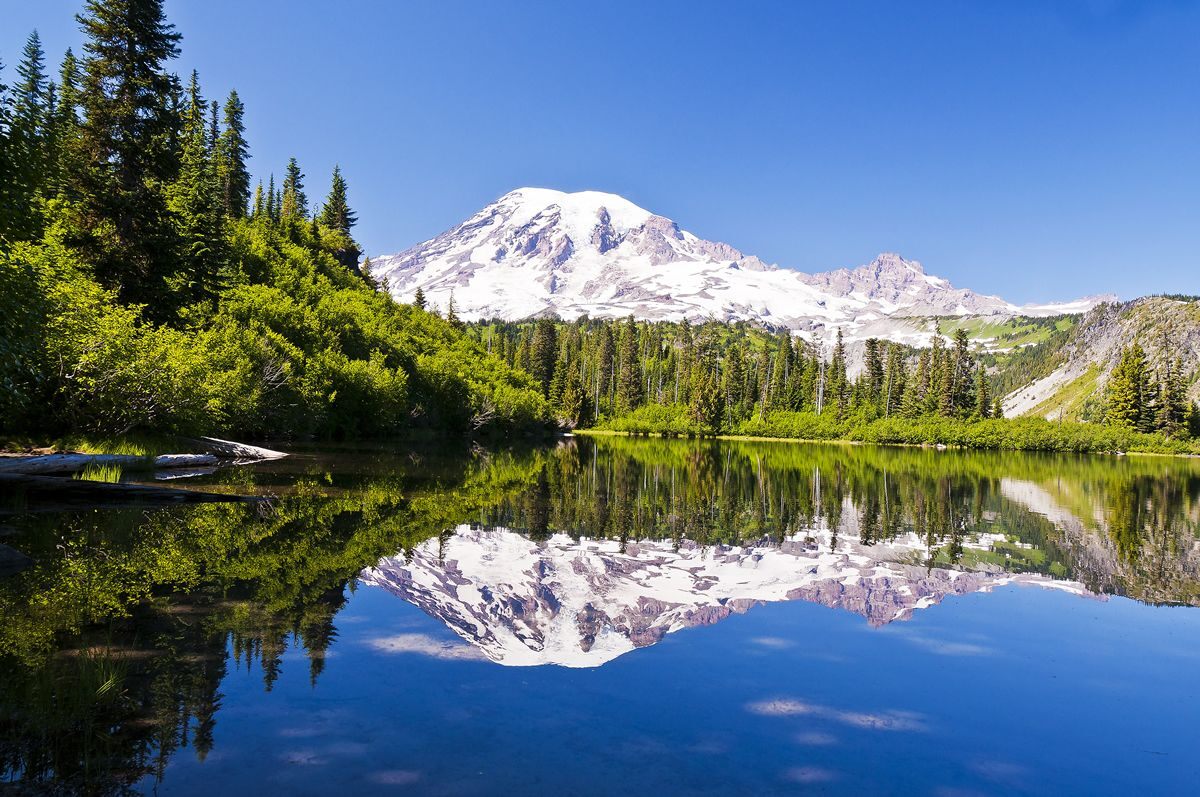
<point x="576" y="408"/>
<point x="294" y="203"/>
<point x="232" y="154"/>
<point x="336" y="214"/>
<point x="705" y="406"/>
<point x="1126" y="387"/>
<point x="214" y="134"/>
<point x="419" y="299"/>
<point x="962" y="377"/>
<point x="195" y="203"/>
<point x="780" y="366"/>
<point x="27" y="143"/>
<point x="605" y="367"/>
<point x="272" y="200"/>
<point x="733" y="379"/>
<point x="629" y="381"/>
<point x="983" y="400"/>
<point x="915" y="399"/>
<point x="260" y="202"/>
<point x="839" y="393"/>
<point x="1173" y="407"/>
<point x="895" y="382"/>
<point x="452" y="317"/>
<point x="872" y="377"/>
<point x="545" y="350"/>
<point x="63" y="128"/>
<point x="126" y="152"/>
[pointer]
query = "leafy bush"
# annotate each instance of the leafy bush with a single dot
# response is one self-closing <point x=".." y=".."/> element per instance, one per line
<point x="295" y="345"/>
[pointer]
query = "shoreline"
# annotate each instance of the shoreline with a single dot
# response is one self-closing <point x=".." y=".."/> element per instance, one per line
<point x="850" y="442"/>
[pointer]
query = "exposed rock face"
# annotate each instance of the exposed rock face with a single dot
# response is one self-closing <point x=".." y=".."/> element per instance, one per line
<point x="1167" y="328"/>
<point x="537" y="252"/>
<point x="582" y="603"/>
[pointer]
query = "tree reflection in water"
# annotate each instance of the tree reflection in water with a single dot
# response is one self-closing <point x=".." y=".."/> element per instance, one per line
<point x="116" y="642"/>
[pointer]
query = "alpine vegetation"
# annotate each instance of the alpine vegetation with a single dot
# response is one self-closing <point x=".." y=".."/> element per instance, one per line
<point x="146" y="285"/>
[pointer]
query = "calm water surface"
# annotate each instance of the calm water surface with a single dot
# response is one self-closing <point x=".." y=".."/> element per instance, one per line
<point x="616" y="616"/>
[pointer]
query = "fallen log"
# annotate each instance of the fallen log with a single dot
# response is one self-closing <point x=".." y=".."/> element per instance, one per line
<point x="185" y="460"/>
<point x="49" y="464"/>
<point x="230" y="448"/>
<point x="68" y="463"/>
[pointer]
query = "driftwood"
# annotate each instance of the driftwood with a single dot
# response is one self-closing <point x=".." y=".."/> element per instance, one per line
<point x="73" y="463"/>
<point x="185" y="460"/>
<point x="228" y="448"/>
<point x="68" y="463"/>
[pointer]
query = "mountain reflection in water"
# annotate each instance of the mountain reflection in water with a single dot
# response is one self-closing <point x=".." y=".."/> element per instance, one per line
<point x="116" y="642"/>
<point x="616" y="548"/>
<point x="583" y="603"/>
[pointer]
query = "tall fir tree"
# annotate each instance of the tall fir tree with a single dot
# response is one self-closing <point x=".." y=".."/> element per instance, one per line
<point x="63" y="132"/>
<point x="872" y="376"/>
<point x="839" y="392"/>
<point x="915" y="401"/>
<point x="272" y="200"/>
<point x="629" y="380"/>
<point x="1173" y="407"/>
<point x="337" y="216"/>
<point x="336" y="213"/>
<point x="545" y="350"/>
<point x="456" y="322"/>
<point x="194" y="200"/>
<point x="232" y="153"/>
<point x="575" y="404"/>
<point x="1126" y="388"/>
<point x="962" y="376"/>
<point x="126" y="155"/>
<point x="28" y="130"/>
<point x="983" y="397"/>
<point x="294" y="203"/>
<point x="895" y="382"/>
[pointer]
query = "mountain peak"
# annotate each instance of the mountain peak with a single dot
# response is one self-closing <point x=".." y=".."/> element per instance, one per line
<point x="579" y="208"/>
<point x="539" y="251"/>
<point x="894" y="262"/>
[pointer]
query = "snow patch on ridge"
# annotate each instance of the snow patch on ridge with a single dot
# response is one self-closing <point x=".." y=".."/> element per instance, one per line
<point x="538" y="251"/>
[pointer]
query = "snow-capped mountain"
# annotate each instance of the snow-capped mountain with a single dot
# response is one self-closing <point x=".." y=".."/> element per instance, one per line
<point x="537" y="251"/>
<point x="582" y="603"/>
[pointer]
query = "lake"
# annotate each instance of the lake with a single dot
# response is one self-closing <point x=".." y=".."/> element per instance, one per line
<point x="615" y="615"/>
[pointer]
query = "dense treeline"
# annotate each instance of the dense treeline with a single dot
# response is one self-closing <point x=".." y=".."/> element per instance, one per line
<point x="713" y="378"/>
<point x="716" y="377"/>
<point x="1145" y="399"/>
<point x="144" y="287"/>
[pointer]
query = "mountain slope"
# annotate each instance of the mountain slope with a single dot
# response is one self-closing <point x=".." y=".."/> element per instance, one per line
<point x="536" y="251"/>
<point x="1076" y="368"/>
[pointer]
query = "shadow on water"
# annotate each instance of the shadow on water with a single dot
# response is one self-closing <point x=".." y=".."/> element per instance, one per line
<point x="115" y="642"/>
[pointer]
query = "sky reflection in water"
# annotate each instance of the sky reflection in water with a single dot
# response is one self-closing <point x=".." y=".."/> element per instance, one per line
<point x="875" y="621"/>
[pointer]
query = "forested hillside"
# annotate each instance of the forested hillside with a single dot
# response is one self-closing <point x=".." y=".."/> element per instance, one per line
<point x="1069" y="374"/>
<point x="716" y="378"/>
<point x="144" y="286"/>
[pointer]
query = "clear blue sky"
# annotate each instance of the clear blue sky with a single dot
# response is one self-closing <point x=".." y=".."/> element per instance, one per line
<point x="1030" y="148"/>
